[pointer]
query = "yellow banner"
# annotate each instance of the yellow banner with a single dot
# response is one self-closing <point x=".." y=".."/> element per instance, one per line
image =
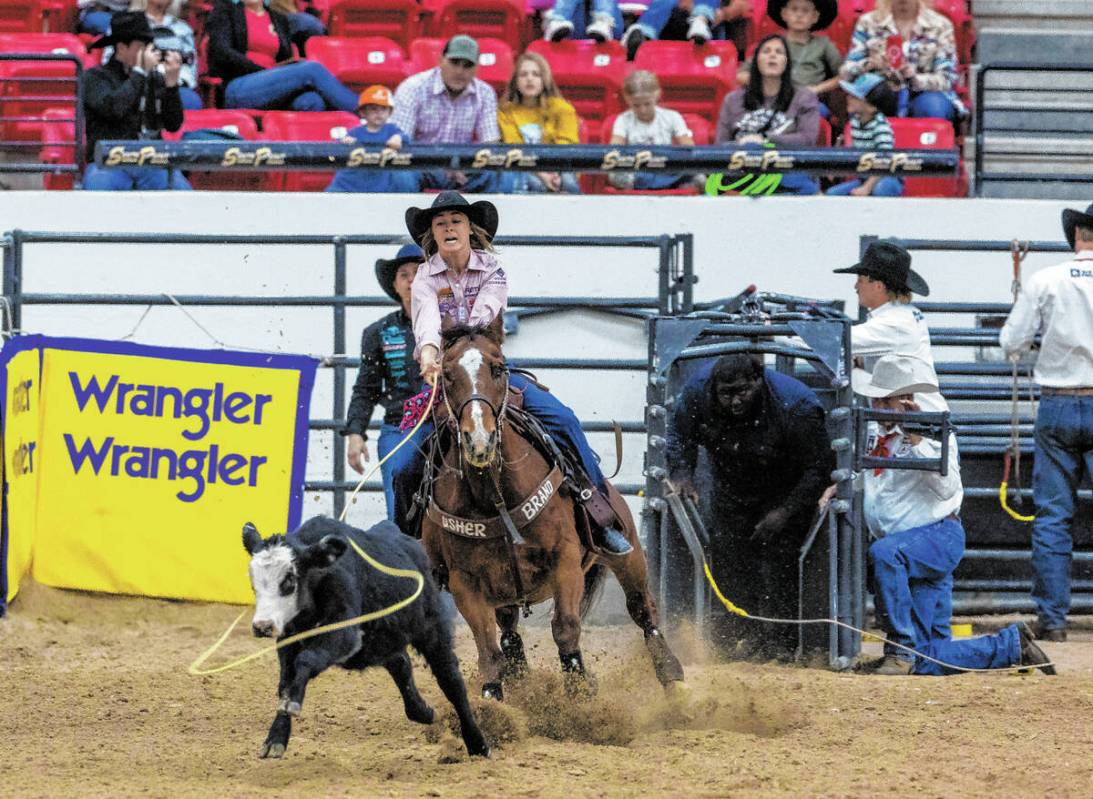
<point x="150" y="459"/>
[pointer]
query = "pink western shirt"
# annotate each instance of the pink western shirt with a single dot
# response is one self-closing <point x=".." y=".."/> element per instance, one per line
<point x="475" y="297"/>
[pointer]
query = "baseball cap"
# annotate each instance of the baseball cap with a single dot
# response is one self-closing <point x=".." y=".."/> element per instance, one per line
<point x="461" y="48"/>
<point x="375" y="95"/>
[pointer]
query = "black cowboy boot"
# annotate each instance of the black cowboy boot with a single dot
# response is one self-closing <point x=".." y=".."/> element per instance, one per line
<point x="605" y="531"/>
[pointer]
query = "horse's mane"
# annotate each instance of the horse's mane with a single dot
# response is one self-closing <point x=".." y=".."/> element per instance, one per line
<point x="460" y="331"/>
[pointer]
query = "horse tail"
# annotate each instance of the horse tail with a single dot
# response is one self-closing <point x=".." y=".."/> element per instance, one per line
<point x="593" y="587"/>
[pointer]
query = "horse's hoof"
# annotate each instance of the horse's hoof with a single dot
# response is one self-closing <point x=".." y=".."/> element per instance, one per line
<point x="274" y="750"/>
<point x="422" y="715"/>
<point x="493" y="690"/>
<point x="677" y="689"/>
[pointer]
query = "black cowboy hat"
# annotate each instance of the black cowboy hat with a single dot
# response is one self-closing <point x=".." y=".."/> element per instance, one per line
<point x="1074" y="219"/>
<point x="125" y="26"/>
<point x="829" y="9"/>
<point x="891" y="264"/>
<point x="387" y="269"/>
<point x="482" y="213"/>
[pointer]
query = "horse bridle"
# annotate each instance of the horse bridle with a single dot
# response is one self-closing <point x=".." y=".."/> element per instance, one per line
<point x="455" y="417"/>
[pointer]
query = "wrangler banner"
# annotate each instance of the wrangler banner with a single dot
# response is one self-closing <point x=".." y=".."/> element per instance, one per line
<point x="131" y="469"/>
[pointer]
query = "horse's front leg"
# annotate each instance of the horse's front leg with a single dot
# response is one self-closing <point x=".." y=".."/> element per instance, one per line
<point x="512" y="645"/>
<point x="479" y="615"/>
<point x="566" y="624"/>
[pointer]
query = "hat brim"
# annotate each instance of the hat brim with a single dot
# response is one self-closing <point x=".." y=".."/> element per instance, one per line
<point x="482" y="213"/>
<point x="386" y="269"/>
<point x="914" y="284"/>
<point x="829" y="10"/>
<point x="1074" y="219"/>
<point x="862" y="381"/>
<point x="108" y="40"/>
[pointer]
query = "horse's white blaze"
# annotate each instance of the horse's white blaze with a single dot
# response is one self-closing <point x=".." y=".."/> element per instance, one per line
<point x="268" y="570"/>
<point x="471" y="363"/>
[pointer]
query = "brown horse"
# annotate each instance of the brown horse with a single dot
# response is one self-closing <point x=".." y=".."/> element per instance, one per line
<point x="494" y="568"/>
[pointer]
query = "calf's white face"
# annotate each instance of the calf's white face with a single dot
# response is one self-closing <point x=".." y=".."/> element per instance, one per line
<point x="274" y="576"/>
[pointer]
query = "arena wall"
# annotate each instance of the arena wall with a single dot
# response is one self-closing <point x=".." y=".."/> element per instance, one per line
<point x="781" y="244"/>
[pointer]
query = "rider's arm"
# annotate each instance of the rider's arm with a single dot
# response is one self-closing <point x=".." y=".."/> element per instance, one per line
<point x="425" y="312"/>
<point x="492" y="299"/>
<point x="1023" y="323"/>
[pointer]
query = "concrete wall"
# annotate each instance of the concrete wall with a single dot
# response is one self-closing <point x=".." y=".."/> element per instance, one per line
<point x="781" y="244"/>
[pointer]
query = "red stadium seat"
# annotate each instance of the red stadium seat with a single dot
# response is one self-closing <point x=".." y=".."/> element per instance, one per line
<point x="360" y="62"/>
<point x="825" y="135"/>
<point x="399" y="20"/>
<point x="925" y="134"/>
<point x="701" y="132"/>
<point x="238" y="122"/>
<point x="495" y="59"/>
<point x="22" y="16"/>
<point x="306" y="126"/>
<point x="58" y="147"/>
<point x="498" y="19"/>
<point x="589" y="75"/>
<point x="693" y="80"/>
<point x="28" y="88"/>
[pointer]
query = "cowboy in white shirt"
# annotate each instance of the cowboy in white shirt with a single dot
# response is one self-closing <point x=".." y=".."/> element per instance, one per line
<point x="914" y="515"/>
<point x="1057" y="303"/>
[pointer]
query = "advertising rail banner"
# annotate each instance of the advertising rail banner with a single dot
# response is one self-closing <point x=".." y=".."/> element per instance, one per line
<point x="145" y="462"/>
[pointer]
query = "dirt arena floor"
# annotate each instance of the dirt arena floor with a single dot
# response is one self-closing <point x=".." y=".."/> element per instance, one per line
<point x="98" y="703"/>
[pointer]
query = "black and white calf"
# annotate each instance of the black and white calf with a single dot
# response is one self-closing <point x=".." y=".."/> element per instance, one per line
<point x="307" y="579"/>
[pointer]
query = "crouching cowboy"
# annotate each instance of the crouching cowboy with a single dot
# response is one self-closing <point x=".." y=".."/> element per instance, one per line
<point x="915" y="517"/>
<point x="463" y="282"/>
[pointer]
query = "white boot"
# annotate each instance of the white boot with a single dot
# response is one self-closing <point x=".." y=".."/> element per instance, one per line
<point x="557" y="29"/>
<point x="699" y="30"/>
<point x="602" y="28"/>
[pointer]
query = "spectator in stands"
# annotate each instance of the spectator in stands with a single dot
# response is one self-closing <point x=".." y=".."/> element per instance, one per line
<point x="914" y="49"/>
<point x="562" y="21"/>
<point x="95" y="15"/>
<point x="389" y="374"/>
<point x="915" y="518"/>
<point x="1055" y="303"/>
<point x="377" y="131"/>
<point x="534" y="112"/>
<point x="770" y="459"/>
<point x="870" y="101"/>
<point x="171" y="33"/>
<point x="250" y="50"/>
<point x="449" y="105"/>
<point x="304" y="21"/>
<point x="696" y="20"/>
<point x="647" y="123"/>
<point x="133" y="96"/>
<point x="770" y="111"/>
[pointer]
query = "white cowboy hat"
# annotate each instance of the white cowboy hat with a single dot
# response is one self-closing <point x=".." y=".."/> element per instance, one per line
<point x="894" y="375"/>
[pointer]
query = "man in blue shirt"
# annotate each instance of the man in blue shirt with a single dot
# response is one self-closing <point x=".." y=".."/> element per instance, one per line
<point x="770" y="459"/>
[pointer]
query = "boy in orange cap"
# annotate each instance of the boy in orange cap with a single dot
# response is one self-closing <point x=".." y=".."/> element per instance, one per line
<point x="374" y="109"/>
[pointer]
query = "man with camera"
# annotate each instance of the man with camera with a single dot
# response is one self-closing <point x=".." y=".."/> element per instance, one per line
<point x="135" y="95"/>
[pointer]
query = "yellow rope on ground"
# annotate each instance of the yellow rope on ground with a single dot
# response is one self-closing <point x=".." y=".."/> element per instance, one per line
<point x="195" y="667"/>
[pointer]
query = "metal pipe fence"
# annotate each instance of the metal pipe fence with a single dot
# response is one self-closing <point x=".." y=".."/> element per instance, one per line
<point x="675" y="276"/>
<point x="14" y="133"/>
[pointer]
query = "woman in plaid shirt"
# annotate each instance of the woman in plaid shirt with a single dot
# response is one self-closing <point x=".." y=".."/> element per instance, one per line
<point x="913" y="48"/>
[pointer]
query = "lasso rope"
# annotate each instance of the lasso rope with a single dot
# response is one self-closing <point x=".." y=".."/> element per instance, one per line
<point x="1013" y="454"/>
<point x="195" y="667"/>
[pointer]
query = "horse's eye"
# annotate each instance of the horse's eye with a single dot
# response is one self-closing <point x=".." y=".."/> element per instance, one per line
<point x="497" y="371"/>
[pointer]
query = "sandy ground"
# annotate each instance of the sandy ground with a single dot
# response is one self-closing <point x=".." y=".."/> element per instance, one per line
<point x="98" y="703"/>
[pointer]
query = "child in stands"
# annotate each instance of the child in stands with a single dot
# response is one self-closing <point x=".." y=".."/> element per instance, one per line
<point x="375" y="111"/>
<point x="647" y="123"/>
<point x="870" y="101"/>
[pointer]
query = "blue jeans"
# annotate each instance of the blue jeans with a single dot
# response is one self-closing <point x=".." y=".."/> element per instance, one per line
<point x="1064" y="451"/>
<point x="399" y="181"/>
<point x="651" y="181"/>
<point x="477" y="182"/>
<point x="529" y="183"/>
<point x="887" y="186"/>
<point x="303" y="86"/>
<point x="557" y="418"/>
<point x="131" y="178"/>
<point x="191" y="100"/>
<point x="655" y="17"/>
<point x="925" y="104"/>
<point x="911" y="573"/>
<point x="797" y="183"/>
<point x="567" y="10"/>
<point x="390" y="436"/>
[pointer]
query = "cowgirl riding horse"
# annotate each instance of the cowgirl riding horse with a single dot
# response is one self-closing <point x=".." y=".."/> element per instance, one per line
<point x="463" y="283"/>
